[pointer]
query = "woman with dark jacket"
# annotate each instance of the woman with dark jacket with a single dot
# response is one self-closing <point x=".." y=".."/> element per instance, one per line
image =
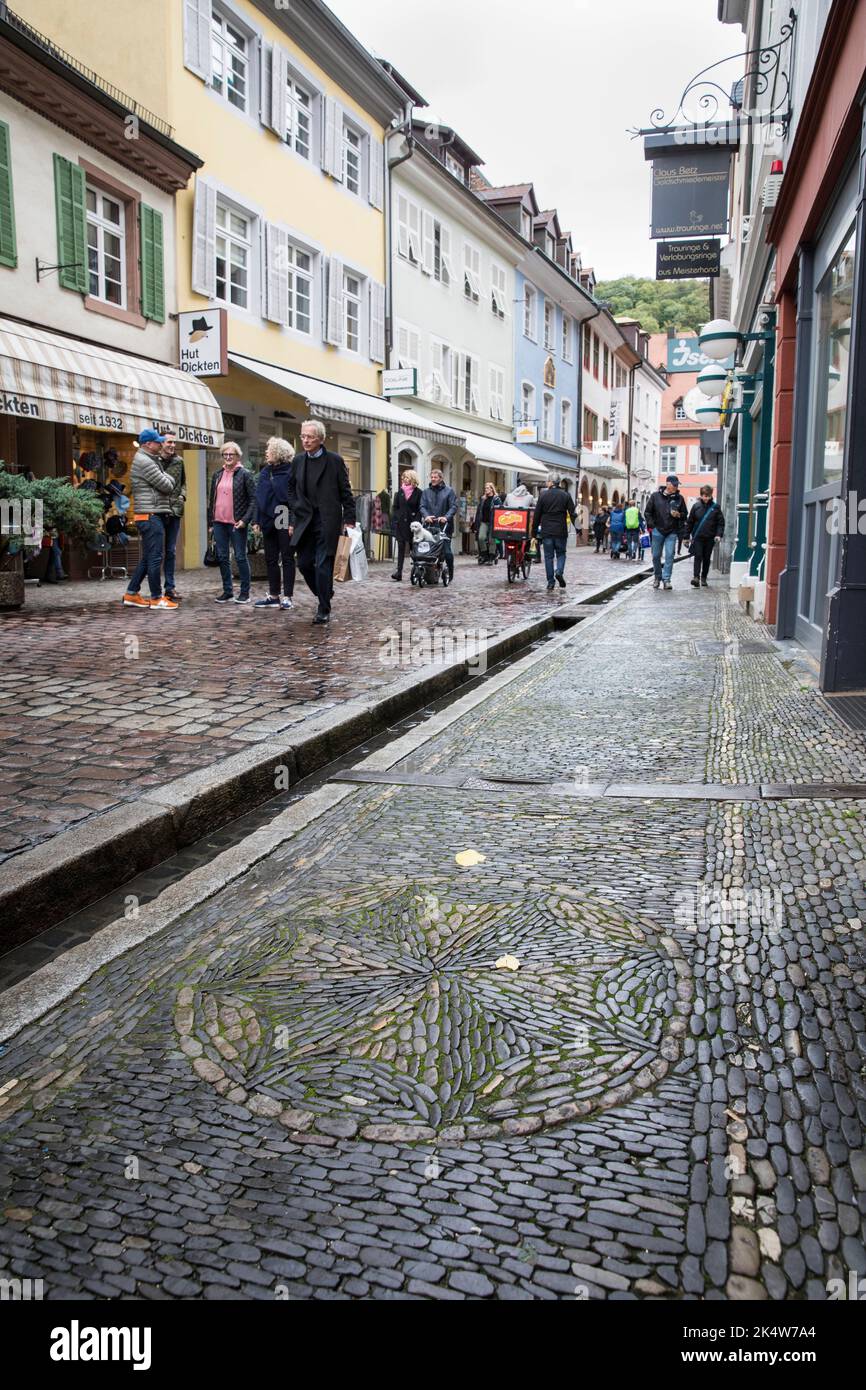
<point x="405" y="509"/>
<point x="705" y="528"/>
<point x="274" y="489"/>
<point x="483" y="525"/>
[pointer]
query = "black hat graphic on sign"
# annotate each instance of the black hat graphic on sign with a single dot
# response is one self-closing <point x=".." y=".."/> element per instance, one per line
<point x="200" y="327"/>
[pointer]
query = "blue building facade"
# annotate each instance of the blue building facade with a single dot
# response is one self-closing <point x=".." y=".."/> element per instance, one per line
<point x="547" y="374"/>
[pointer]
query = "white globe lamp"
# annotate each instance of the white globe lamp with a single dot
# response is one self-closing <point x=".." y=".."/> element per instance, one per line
<point x="709" y="413"/>
<point x="712" y="379"/>
<point x="719" y="339"/>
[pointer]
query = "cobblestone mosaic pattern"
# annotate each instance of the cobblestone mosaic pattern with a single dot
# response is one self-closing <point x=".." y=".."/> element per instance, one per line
<point x="99" y="703"/>
<point x="404" y="1015"/>
<point x="139" y="1160"/>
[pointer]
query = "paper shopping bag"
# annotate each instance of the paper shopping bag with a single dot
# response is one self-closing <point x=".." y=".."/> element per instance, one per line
<point x="341" y="561"/>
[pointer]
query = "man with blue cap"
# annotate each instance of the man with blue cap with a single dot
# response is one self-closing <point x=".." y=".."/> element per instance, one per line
<point x="151" y="490"/>
<point x="665" y="514"/>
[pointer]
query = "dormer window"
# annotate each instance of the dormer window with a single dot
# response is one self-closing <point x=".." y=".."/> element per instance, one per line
<point x="525" y="224"/>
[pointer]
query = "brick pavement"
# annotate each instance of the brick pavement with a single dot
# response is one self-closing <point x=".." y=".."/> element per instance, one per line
<point x="323" y="1083"/>
<point x="100" y="702"/>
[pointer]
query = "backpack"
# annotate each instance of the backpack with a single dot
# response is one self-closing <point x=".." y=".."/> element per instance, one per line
<point x="632" y="518"/>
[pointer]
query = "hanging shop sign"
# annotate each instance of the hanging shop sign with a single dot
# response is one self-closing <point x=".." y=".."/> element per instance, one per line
<point x="526" y="434"/>
<point x="690" y="192"/>
<point x="688" y="260"/>
<point x="684" y="355"/>
<point x="400" y="381"/>
<point x="203" y="342"/>
<point x="618" y="404"/>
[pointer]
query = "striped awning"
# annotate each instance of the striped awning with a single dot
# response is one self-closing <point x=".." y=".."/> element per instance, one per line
<point x="45" y="376"/>
<point x="343" y="404"/>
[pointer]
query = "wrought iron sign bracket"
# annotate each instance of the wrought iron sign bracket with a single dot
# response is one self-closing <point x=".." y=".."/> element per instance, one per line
<point x="768" y="73"/>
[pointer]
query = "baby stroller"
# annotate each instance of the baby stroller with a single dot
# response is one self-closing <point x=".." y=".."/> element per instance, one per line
<point x="429" y="565"/>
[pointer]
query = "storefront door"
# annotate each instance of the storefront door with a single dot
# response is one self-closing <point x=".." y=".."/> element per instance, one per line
<point x="824" y="517"/>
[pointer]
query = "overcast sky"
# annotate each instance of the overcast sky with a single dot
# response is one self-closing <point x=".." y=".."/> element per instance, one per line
<point x="545" y="92"/>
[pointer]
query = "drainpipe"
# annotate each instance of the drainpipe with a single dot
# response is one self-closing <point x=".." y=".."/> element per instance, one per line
<point x="390" y="166"/>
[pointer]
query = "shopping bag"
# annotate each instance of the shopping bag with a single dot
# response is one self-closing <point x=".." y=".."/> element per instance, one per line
<point x="341" y="560"/>
<point x="358" y="567"/>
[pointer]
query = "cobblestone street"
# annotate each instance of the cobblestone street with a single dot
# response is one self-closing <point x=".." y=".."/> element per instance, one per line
<point x="89" y="720"/>
<point x="505" y="1038"/>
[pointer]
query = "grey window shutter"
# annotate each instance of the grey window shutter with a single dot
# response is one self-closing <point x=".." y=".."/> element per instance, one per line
<point x="332" y="143"/>
<point x="196" y="37"/>
<point x="277" y="105"/>
<point x="376" y="195"/>
<point x="276" y="306"/>
<point x="335" y="317"/>
<point x="204" y="239"/>
<point x="377" y="321"/>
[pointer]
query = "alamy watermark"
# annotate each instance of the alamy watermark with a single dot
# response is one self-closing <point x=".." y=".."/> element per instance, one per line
<point x="21" y="516"/>
<point x="412" y="646"/>
<point x="708" y="905"/>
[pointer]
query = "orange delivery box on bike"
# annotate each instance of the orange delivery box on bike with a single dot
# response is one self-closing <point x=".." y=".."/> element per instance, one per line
<point x="510" y="523"/>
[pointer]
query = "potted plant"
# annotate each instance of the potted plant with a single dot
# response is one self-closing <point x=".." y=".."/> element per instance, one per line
<point x="27" y="510"/>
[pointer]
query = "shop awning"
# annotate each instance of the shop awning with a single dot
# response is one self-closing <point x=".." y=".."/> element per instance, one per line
<point x="45" y="376"/>
<point x="501" y="454"/>
<point x="341" y="403"/>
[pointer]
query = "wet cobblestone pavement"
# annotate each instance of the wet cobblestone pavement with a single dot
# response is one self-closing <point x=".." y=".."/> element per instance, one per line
<point x="619" y="1055"/>
<point x="100" y="703"/>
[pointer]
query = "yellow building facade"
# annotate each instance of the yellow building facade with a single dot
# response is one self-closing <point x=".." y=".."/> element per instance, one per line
<point x="284" y="225"/>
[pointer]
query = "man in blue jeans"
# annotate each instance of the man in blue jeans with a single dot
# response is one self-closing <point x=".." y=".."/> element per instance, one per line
<point x="172" y="465"/>
<point x="665" y="513"/>
<point x="552" y="512"/>
<point x="150" y="492"/>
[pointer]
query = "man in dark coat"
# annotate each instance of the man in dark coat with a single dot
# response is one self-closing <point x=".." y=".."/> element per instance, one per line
<point x="552" y="512"/>
<point x="440" y="501"/>
<point x="322" y="506"/>
<point x="666" y="514"/>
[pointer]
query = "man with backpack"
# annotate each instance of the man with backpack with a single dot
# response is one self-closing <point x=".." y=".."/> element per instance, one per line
<point x="704" y="528"/>
<point x="634" y="524"/>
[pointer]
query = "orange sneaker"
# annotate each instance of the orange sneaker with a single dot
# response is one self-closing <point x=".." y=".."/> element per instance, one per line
<point x="163" y="603"/>
<point x="136" y="601"/>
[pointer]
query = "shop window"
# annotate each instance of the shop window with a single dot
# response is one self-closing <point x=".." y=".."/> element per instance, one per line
<point x="834" y="299"/>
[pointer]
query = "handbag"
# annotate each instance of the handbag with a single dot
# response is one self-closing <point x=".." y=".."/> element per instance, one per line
<point x="210" y="555"/>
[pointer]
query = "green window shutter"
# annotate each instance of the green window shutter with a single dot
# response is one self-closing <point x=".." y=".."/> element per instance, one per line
<point x="8" y="247"/>
<point x="71" y="209"/>
<point x="152" y="267"/>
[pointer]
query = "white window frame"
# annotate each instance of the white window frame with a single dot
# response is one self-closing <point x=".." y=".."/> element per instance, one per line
<point x="223" y="18"/>
<point x="295" y="84"/>
<point x="499" y="290"/>
<point x="528" y="402"/>
<point x="407" y="349"/>
<point x="350" y="298"/>
<point x="117" y="229"/>
<point x="567" y="338"/>
<point x="548" y="403"/>
<point x="496" y="394"/>
<point x="295" y="274"/>
<point x="566" y="414"/>
<point x="251" y="245"/>
<point x="530" y="313"/>
<point x="665" y="463"/>
<point x="471" y="272"/>
<point x="350" y="128"/>
<point x="680" y="412"/>
<point x="408" y="230"/>
<point x="442" y="377"/>
<point x="549" y="326"/>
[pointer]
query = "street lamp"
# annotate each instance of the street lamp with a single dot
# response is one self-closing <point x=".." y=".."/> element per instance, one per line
<point x="719" y="339"/>
<point x="710" y="413"/>
<point x="712" y="379"/>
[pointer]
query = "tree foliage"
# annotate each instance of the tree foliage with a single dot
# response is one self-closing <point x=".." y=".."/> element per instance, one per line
<point x="658" y="304"/>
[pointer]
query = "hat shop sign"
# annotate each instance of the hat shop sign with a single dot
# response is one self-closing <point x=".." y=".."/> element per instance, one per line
<point x="203" y="342"/>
